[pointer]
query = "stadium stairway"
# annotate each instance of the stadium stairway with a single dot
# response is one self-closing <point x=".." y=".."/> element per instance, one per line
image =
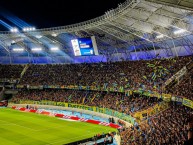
<point x="178" y="77"/>
<point x="1" y="93"/>
<point x="23" y="71"/>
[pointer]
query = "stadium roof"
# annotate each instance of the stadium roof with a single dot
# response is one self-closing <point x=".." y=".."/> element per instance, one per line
<point x="146" y="27"/>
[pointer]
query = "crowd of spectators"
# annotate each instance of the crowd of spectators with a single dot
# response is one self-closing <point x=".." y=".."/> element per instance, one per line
<point x="129" y="74"/>
<point x="10" y="71"/>
<point x="184" y="87"/>
<point x="116" y="101"/>
<point x="167" y="128"/>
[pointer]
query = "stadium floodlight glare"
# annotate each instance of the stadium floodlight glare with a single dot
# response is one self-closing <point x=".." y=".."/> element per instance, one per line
<point x="36" y="49"/>
<point x="27" y="29"/>
<point x="160" y="36"/>
<point x="54" y="34"/>
<point x="18" y="49"/>
<point x="14" y="30"/>
<point x="24" y="29"/>
<point x="38" y="36"/>
<point x="179" y="31"/>
<point x="54" y="48"/>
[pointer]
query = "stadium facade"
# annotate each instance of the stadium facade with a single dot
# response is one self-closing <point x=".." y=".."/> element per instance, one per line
<point x="135" y="30"/>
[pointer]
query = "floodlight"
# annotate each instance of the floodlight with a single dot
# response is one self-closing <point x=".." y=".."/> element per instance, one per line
<point x="36" y="49"/>
<point x="54" y="34"/>
<point x="18" y="49"/>
<point x="159" y="36"/>
<point x="38" y="36"/>
<point x="179" y="31"/>
<point x="54" y="48"/>
<point x="24" y="29"/>
<point x="14" y="30"/>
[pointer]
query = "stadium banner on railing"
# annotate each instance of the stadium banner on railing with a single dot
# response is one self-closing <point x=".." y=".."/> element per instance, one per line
<point x="143" y="115"/>
<point x="188" y="103"/>
<point x="20" y="86"/>
<point x="166" y="97"/>
<point x="128" y="92"/>
<point x="107" y="88"/>
<point x="79" y="106"/>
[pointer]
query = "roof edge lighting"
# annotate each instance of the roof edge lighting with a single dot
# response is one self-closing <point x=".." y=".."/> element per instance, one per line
<point x="54" y="48"/>
<point x="18" y="49"/>
<point x="160" y="36"/>
<point x="179" y="31"/>
<point x="36" y="49"/>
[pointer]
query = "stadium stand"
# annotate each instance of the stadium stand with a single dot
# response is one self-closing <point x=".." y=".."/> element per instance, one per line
<point x="115" y="101"/>
<point x="10" y="71"/>
<point x="126" y="73"/>
<point x="168" y="127"/>
<point x="144" y="45"/>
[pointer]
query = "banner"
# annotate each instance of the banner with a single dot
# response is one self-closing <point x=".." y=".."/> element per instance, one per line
<point x="143" y="115"/>
<point x="128" y="92"/>
<point x="78" y="106"/>
<point x="187" y="103"/>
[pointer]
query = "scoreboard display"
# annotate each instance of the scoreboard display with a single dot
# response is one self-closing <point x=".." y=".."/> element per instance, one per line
<point x="84" y="46"/>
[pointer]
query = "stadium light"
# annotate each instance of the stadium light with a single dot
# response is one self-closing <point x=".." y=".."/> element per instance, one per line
<point x="54" y="34"/>
<point x="14" y="30"/>
<point x="36" y="49"/>
<point x="179" y="31"/>
<point x="18" y="49"/>
<point x="160" y="36"/>
<point x="27" y="29"/>
<point x="54" y="48"/>
<point x="38" y="36"/>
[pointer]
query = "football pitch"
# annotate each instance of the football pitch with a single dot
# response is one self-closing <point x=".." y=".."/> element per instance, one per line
<point x="23" y="128"/>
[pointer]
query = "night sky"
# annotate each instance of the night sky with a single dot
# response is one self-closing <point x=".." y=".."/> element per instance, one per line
<point x="52" y="13"/>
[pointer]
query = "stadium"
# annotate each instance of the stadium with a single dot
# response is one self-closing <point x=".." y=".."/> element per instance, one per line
<point x="123" y="78"/>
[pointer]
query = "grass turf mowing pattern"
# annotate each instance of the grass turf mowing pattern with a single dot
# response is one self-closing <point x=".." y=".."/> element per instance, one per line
<point x="23" y="128"/>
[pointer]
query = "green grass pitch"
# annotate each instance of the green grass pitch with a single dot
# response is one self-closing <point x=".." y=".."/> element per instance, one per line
<point x="23" y="128"/>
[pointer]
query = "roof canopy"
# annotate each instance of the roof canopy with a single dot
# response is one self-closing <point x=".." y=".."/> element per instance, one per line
<point x="135" y="25"/>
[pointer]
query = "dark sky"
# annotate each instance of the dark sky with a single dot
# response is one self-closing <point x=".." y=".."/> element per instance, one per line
<point x="52" y="13"/>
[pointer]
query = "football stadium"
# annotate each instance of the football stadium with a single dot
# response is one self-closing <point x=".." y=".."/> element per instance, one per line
<point x="122" y="78"/>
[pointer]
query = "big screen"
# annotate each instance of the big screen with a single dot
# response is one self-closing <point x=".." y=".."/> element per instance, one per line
<point x="84" y="46"/>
